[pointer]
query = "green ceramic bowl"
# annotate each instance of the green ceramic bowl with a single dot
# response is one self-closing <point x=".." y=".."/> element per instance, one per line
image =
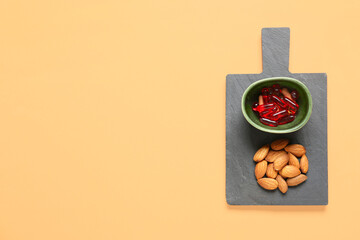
<point x="304" y="100"/>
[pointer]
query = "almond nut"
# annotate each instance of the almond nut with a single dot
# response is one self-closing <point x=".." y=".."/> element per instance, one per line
<point x="289" y="171"/>
<point x="270" y="172"/>
<point x="261" y="100"/>
<point x="282" y="185"/>
<point x="261" y="153"/>
<point x="281" y="160"/>
<point x="296" y="149"/>
<point x="286" y="93"/>
<point x="293" y="160"/>
<point x="273" y="155"/>
<point x="304" y="164"/>
<point x="260" y="169"/>
<point x="296" y="180"/>
<point x="268" y="183"/>
<point x="279" y="144"/>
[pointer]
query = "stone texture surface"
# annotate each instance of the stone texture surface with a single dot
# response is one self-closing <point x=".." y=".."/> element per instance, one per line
<point x="242" y="140"/>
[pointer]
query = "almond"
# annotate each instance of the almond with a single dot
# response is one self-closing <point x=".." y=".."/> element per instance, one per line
<point x="296" y="149"/>
<point x="281" y="160"/>
<point x="286" y="93"/>
<point x="270" y="157"/>
<point x="279" y="144"/>
<point x="261" y="100"/>
<point x="282" y="185"/>
<point x="273" y="155"/>
<point x="289" y="171"/>
<point x="293" y="160"/>
<point x="260" y="169"/>
<point x="296" y="180"/>
<point x="268" y="183"/>
<point x="270" y="172"/>
<point x="304" y="164"/>
<point x="261" y="153"/>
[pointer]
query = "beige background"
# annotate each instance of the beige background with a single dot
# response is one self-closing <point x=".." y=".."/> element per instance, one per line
<point x="113" y="117"/>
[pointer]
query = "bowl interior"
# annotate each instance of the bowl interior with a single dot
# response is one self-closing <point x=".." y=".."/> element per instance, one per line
<point x="304" y="100"/>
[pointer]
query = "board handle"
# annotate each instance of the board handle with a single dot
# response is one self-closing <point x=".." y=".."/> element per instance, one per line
<point x="275" y="51"/>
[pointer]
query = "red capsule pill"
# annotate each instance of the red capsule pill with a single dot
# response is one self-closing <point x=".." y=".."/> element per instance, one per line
<point x="279" y="101"/>
<point x="266" y="98"/>
<point x="285" y="120"/>
<point x="264" y="107"/>
<point x="276" y="89"/>
<point x="268" y="122"/>
<point x="293" y="106"/>
<point x="265" y="94"/>
<point x="280" y="114"/>
<point x="268" y="112"/>
<point x="294" y="94"/>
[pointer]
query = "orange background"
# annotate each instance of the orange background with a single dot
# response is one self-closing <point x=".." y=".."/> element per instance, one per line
<point x="113" y="117"/>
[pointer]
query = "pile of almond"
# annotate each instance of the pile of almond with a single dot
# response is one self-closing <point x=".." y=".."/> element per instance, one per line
<point x="280" y="163"/>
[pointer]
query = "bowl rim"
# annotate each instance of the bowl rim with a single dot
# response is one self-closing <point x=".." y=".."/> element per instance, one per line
<point x="290" y="130"/>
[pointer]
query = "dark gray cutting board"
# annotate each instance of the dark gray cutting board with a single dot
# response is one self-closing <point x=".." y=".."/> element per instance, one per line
<point x="242" y="140"/>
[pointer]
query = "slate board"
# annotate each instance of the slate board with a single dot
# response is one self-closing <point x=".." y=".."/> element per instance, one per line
<point x="242" y="140"/>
